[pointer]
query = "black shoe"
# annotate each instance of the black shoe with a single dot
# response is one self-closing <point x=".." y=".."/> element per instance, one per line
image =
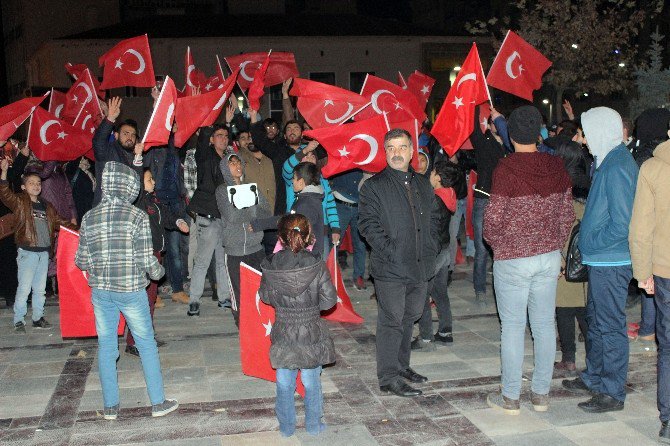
<point x="576" y="386"/>
<point x="446" y="339"/>
<point x="20" y="327"/>
<point x="193" y="309"/>
<point x="225" y="304"/>
<point x="601" y="403"/>
<point x="400" y="388"/>
<point x="664" y="434"/>
<point x="412" y="376"/>
<point x="132" y="350"/>
<point x="450" y="278"/>
<point x="160" y="343"/>
<point x="43" y="324"/>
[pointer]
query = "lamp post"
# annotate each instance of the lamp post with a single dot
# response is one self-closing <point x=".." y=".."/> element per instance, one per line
<point x="548" y="102"/>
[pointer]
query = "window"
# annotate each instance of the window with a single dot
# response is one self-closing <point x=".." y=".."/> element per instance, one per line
<point x="325" y="77"/>
<point x="356" y="80"/>
<point x="275" y="103"/>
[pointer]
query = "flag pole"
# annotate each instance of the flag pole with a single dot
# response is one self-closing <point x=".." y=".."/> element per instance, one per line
<point x="153" y="112"/>
<point x="488" y="93"/>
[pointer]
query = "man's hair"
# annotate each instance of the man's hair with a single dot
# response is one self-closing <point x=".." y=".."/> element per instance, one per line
<point x="568" y="127"/>
<point x="270" y="121"/>
<point x="289" y="122"/>
<point x="451" y="175"/>
<point x="130" y="123"/>
<point x="397" y="133"/>
<point x="628" y="125"/>
<point x="308" y="172"/>
<point x="237" y="137"/>
<point x="25" y="176"/>
<point x="219" y="126"/>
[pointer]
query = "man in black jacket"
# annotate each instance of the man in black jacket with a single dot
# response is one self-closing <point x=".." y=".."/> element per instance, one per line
<point x="398" y="218"/>
<point x="124" y="148"/>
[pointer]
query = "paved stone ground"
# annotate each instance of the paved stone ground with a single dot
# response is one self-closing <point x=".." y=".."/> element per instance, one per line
<point x="50" y="391"/>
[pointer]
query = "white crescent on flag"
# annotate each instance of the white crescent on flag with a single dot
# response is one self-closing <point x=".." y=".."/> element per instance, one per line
<point x="44" y="128"/>
<point x="346" y="114"/>
<point x="140" y="59"/>
<point x="243" y="73"/>
<point x="188" y="76"/>
<point x="508" y="65"/>
<point x="467" y="77"/>
<point x="168" y="117"/>
<point x="374" y="147"/>
<point x="375" y="97"/>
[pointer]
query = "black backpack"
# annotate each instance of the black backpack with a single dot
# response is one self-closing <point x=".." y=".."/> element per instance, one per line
<point x="575" y="270"/>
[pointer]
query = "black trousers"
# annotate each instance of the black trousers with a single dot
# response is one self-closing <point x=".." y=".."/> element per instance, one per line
<point x="565" y="321"/>
<point x="253" y="260"/>
<point x="399" y="305"/>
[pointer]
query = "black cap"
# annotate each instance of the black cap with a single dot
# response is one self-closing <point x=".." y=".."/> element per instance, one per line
<point x="524" y="125"/>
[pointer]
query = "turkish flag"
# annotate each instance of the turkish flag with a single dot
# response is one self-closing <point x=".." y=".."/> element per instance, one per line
<point x="387" y="97"/>
<point x="82" y="99"/>
<point x="420" y="85"/>
<point x="470" y="204"/>
<point x="518" y="67"/>
<point x="15" y="114"/>
<point x="192" y="111"/>
<point x="128" y="63"/>
<point x="358" y="145"/>
<point x="194" y="77"/>
<point x="76" y="71"/>
<point x="77" y="319"/>
<point x="226" y="87"/>
<point x="343" y="311"/>
<point x="56" y="103"/>
<point x="455" y="122"/>
<point x="256" y="88"/>
<point x="256" y="320"/>
<point x="160" y="124"/>
<point x="52" y="139"/>
<point x="324" y="105"/>
<point x="282" y="66"/>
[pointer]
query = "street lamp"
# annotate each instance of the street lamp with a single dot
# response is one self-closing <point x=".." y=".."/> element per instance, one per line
<point x="547" y="102"/>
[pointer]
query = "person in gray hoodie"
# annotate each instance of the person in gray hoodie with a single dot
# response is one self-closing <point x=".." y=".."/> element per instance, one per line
<point x="240" y="241"/>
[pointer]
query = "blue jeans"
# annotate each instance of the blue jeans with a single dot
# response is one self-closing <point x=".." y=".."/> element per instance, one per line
<point x="32" y="275"/>
<point x="285" y="404"/>
<point x="173" y="264"/>
<point x="648" y="322"/>
<point x="349" y="217"/>
<point x="606" y="341"/>
<point x="107" y="305"/>
<point x="481" y="249"/>
<point x="527" y="284"/>
<point x="662" y="297"/>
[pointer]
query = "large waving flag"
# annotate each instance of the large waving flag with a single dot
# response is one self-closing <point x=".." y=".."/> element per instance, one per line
<point x="420" y="85"/>
<point x="518" y="67"/>
<point x="455" y="122"/>
<point x="128" y="63"/>
<point x="388" y="98"/>
<point x="15" y="114"/>
<point x="282" y="67"/>
<point x="358" y="145"/>
<point x="160" y="124"/>
<point x="52" y="139"/>
<point x="76" y="71"/>
<point x="257" y="86"/>
<point x="324" y="105"/>
<point x="192" y="111"/>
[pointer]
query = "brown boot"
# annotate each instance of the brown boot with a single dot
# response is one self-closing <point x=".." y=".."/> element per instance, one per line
<point x="180" y="297"/>
<point x="159" y="303"/>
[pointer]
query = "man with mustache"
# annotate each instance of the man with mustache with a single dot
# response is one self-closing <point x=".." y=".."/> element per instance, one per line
<point x="398" y="216"/>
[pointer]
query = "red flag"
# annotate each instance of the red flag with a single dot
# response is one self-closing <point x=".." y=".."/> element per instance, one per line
<point x="358" y="145"/>
<point x="81" y="99"/>
<point x="192" y="111"/>
<point x="128" y="63"/>
<point x="282" y="66"/>
<point x="470" y="204"/>
<point x="56" y="103"/>
<point x="256" y="320"/>
<point x="160" y="124"/>
<point x="343" y="311"/>
<point x="77" y="319"/>
<point x="194" y="77"/>
<point x="324" y="105"/>
<point x="76" y="72"/>
<point x="401" y="81"/>
<point x="420" y="85"/>
<point x="518" y="67"/>
<point x="455" y="123"/>
<point x="257" y="85"/>
<point x="14" y="114"/>
<point x="52" y="139"/>
<point x="227" y="87"/>
<point x="387" y="97"/>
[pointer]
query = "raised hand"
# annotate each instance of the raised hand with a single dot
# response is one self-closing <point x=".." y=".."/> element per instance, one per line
<point x="4" y="165"/>
<point x="253" y="115"/>
<point x="494" y="113"/>
<point x="114" y="108"/>
<point x="285" y="87"/>
<point x="139" y="148"/>
<point x="230" y="111"/>
<point x="313" y="144"/>
<point x="568" y="109"/>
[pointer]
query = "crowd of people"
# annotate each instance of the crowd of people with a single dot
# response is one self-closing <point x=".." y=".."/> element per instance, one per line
<point x="161" y="222"/>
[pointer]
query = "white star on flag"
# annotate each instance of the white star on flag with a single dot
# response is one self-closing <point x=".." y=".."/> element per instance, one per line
<point x="328" y="102"/>
<point x="62" y="135"/>
<point x="339" y="301"/>
<point x="425" y="89"/>
<point x="343" y="151"/>
<point x="75" y="98"/>
<point x="92" y="131"/>
<point x="484" y="123"/>
<point x="208" y="86"/>
<point x="458" y="102"/>
<point x="118" y="63"/>
<point x="397" y="105"/>
<point x="268" y="327"/>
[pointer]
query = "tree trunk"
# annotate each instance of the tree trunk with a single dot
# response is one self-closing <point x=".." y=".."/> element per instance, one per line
<point x="558" y="104"/>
